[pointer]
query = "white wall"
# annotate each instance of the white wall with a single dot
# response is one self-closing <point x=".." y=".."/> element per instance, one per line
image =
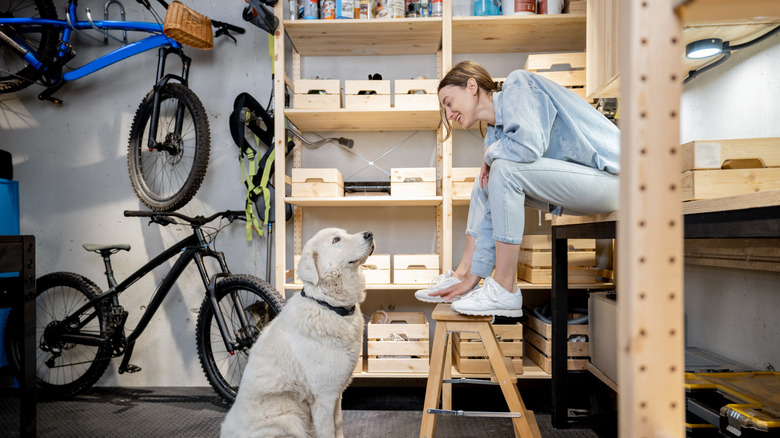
<point x="733" y="312"/>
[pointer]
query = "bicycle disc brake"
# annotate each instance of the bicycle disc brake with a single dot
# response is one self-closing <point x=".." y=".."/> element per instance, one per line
<point x="117" y="317"/>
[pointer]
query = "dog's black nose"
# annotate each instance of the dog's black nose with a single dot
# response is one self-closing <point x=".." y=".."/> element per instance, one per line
<point x="368" y="235"/>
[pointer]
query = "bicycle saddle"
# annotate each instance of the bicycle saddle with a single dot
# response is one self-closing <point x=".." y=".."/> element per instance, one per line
<point x="99" y="248"/>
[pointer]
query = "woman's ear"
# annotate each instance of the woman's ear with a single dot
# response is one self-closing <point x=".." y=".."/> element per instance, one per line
<point x="472" y="86"/>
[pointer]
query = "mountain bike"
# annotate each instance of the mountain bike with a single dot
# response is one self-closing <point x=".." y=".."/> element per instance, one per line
<point x="80" y="328"/>
<point x="169" y="143"/>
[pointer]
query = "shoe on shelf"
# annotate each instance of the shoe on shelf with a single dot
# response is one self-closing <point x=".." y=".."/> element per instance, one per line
<point x="441" y="282"/>
<point x="491" y="300"/>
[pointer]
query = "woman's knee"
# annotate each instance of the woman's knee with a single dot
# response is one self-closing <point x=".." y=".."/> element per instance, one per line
<point x="502" y="175"/>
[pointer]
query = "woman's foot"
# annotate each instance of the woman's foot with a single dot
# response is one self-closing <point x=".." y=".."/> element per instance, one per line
<point x="491" y="299"/>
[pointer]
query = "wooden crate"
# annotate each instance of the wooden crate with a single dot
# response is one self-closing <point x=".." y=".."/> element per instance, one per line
<point x="576" y="7"/>
<point x="386" y="355"/>
<point x="376" y="269"/>
<point x="537" y="335"/>
<point x="566" y="69"/>
<point x="413" y="182"/>
<point x="577" y="274"/>
<point x="543" y="259"/>
<point x="317" y="94"/>
<point x="380" y="100"/>
<point x="415" y="268"/>
<point x="470" y="356"/>
<point x="715" y="154"/>
<point x="317" y="183"/>
<point x="463" y="181"/>
<point x="544" y="242"/>
<point x="535" y="260"/>
<point x="719" y="183"/>
<point x="416" y="94"/>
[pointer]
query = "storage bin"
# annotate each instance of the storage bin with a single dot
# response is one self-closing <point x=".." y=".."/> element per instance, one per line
<point x="463" y="181"/>
<point x="602" y="333"/>
<point x="469" y="352"/>
<point x="416" y="94"/>
<point x="415" y="268"/>
<point x="535" y="260"/>
<point x="317" y="94"/>
<point x="413" y="182"/>
<point x="537" y="335"/>
<point x="377" y="94"/>
<point x="9" y="207"/>
<point x="709" y="184"/>
<point x="398" y="342"/>
<point x="714" y="154"/>
<point x="566" y="69"/>
<point x="376" y="269"/>
<point x="317" y="183"/>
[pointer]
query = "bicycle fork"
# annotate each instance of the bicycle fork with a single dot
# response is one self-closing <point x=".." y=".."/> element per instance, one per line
<point x="169" y="145"/>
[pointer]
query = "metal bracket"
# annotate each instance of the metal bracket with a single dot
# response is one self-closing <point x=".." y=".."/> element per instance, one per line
<point x="453" y="413"/>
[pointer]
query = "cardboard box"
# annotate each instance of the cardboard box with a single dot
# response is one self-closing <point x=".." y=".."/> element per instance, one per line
<point x="317" y="94"/>
<point x="317" y="183"/>
<point x="380" y="99"/>
<point x="413" y="182"/>
<point x="416" y="94"/>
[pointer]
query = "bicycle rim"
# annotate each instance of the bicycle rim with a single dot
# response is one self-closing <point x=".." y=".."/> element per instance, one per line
<point x="260" y="303"/>
<point x="15" y="73"/>
<point x="167" y="177"/>
<point x="64" y="370"/>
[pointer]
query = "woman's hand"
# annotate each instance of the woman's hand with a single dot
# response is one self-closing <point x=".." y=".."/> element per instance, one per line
<point x="459" y="289"/>
<point x="484" y="174"/>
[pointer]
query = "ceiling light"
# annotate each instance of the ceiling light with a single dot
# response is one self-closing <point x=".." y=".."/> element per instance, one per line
<point x="704" y="48"/>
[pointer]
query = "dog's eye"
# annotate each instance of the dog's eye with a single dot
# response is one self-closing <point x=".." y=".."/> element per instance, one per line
<point x="336" y="240"/>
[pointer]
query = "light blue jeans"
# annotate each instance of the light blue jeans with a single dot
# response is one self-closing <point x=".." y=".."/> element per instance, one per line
<point x="497" y="213"/>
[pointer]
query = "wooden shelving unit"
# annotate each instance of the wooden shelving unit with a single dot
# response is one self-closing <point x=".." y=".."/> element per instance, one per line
<point x="363" y="120"/>
<point x="525" y="33"/>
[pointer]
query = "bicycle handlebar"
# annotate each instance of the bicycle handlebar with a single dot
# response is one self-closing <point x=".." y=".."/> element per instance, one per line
<point x="197" y="220"/>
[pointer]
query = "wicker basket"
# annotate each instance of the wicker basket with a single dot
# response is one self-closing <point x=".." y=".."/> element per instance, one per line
<point x="188" y="27"/>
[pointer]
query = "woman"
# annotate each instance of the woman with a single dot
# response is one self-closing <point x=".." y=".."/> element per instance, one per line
<point x="545" y="148"/>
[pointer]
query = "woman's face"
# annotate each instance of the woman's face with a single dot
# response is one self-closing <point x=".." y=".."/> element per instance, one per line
<point x="459" y="104"/>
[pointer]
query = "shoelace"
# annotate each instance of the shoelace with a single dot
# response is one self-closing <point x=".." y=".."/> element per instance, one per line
<point x="437" y="280"/>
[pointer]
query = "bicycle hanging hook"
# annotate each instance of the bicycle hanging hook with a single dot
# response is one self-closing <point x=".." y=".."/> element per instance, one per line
<point x="121" y="14"/>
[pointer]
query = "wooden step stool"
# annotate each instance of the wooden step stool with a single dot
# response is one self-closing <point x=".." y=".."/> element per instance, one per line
<point x="440" y="374"/>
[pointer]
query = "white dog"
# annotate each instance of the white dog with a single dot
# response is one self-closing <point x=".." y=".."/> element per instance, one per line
<point x="303" y="360"/>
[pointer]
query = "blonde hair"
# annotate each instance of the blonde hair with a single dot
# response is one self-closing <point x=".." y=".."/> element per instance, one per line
<point x="459" y="77"/>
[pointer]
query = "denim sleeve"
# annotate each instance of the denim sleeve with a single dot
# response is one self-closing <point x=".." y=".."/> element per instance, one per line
<point x="528" y="115"/>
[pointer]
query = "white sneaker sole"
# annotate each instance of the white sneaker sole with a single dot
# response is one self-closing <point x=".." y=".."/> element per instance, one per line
<point x="507" y="313"/>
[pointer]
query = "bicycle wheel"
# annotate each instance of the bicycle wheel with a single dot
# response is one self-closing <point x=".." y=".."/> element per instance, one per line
<point x="62" y="370"/>
<point x="15" y="73"/>
<point x="166" y="176"/>
<point x="260" y="304"/>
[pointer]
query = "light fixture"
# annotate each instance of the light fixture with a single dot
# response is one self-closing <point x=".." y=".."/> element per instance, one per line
<point x="704" y="48"/>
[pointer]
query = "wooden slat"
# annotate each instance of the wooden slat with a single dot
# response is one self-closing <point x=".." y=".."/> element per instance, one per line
<point x="390" y="119"/>
<point x="501" y="34"/>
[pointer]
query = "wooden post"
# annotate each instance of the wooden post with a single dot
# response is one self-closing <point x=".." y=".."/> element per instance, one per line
<point x="280" y="146"/>
<point x="650" y="224"/>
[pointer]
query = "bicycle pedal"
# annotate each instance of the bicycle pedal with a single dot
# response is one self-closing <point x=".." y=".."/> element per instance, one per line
<point x="130" y="368"/>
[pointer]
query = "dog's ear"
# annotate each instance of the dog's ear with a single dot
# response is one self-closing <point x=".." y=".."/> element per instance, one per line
<point x="307" y="267"/>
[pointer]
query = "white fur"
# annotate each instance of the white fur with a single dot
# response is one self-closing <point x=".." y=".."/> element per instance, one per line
<point x="303" y="360"/>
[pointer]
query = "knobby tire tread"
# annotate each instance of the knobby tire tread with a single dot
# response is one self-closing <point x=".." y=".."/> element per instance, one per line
<point x="47" y="49"/>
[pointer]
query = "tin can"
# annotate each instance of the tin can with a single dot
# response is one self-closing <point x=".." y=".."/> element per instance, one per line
<point x="519" y="7"/>
<point x="311" y="9"/>
<point x="365" y="9"/>
<point x="436" y="8"/>
<point x="329" y="9"/>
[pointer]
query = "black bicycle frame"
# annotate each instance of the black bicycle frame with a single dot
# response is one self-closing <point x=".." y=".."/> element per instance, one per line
<point x="190" y="248"/>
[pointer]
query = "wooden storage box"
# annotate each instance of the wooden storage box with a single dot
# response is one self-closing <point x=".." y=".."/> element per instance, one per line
<point x="416" y="94"/>
<point x="708" y="184"/>
<point x="715" y="154"/>
<point x="317" y="183"/>
<point x="463" y="181"/>
<point x="537" y="335"/>
<point x="387" y="353"/>
<point x="535" y="260"/>
<point x="376" y="269"/>
<point x="380" y="100"/>
<point x="317" y="94"/>
<point x="470" y="356"/>
<point x="413" y="182"/>
<point x="566" y="69"/>
<point x="415" y="268"/>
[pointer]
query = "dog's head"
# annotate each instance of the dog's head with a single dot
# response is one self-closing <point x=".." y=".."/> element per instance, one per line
<point x="330" y="265"/>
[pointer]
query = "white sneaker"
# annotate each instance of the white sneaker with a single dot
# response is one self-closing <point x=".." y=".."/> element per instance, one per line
<point x="491" y="299"/>
<point x="441" y="282"/>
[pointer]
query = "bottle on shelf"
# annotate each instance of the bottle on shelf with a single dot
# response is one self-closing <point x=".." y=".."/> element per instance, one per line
<point x="487" y="7"/>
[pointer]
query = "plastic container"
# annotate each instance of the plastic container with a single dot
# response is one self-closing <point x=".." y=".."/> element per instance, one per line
<point x="518" y="7"/>
<point x="345" y="9"/>
<point x="550" y="7"/>
<point x="487" y="7"/>
<point x="311" y="10"/>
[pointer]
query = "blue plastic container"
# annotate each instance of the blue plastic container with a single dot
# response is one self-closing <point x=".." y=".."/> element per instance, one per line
<point x="9" y="225"/>
<point x="487" y="7"/>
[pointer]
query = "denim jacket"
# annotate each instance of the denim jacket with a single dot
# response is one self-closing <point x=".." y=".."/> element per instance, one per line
<point x="535" y="117"/>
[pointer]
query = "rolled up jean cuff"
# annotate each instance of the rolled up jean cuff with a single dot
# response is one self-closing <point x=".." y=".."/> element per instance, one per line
<point x="509" y="240"/>
<point x="481" y="269"/>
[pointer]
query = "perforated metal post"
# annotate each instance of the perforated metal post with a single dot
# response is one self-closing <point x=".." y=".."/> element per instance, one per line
<point x="650" y="225"/>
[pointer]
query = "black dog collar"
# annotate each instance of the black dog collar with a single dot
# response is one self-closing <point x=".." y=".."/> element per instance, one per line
<point x="343" y="311"/>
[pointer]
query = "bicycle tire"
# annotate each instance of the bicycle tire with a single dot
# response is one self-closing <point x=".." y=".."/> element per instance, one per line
<point x="262" y="303"/>
<point x="79" y="366"/>
<point x="15" y="72"/>
<point x="166" y="181"/>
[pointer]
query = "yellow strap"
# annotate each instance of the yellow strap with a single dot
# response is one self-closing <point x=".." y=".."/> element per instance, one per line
<point x="271" y="53"/>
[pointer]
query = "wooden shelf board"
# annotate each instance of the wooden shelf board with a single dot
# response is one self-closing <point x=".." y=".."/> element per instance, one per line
<point x="413" y="287"/>
<point x="365" y="201"/>
<point x="365" y="37"/>
<point x="461" y="200"/>
<point x="526" y="33"/>
<point x="735" y="32"/>
<point x="601" y="376"/>
<point x="343" y="119"/>
<point x="390" y="287"/>
<point x="530" y="371"/>
<point x="719" y="11"/>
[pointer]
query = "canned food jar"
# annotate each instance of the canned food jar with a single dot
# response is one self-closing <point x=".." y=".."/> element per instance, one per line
<point x="487" y="7"/>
